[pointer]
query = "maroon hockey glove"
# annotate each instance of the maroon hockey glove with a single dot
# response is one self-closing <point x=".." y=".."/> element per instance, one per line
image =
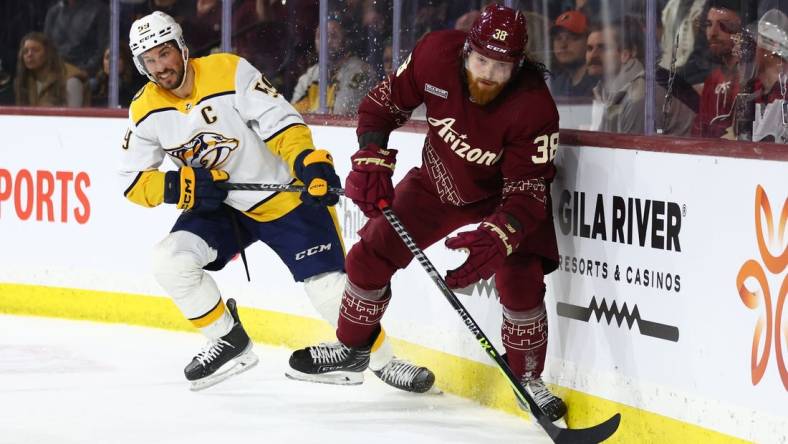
<point x="370" y="179"/>
<point x="488" y="245"/>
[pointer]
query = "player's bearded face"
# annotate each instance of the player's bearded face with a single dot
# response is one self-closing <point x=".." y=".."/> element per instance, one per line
<point x="486" y="77"/>
<point x="165" y="64"/>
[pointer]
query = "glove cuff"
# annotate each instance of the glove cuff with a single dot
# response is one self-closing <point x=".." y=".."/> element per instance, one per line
<point x="172" y="187"/>
<point x="298" y="164"/>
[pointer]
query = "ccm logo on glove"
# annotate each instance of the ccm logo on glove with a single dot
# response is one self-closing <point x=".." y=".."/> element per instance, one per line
<point x="195" y="189"/>
<point x="316" y="169"/>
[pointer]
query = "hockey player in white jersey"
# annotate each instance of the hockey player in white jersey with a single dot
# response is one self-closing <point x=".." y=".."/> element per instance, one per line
<point x="217" y="118"/>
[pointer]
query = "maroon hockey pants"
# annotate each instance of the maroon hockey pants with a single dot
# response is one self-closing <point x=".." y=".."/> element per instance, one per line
<point x="380" y="253"/>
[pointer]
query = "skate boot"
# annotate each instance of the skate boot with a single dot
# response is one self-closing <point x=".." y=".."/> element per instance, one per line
<point x="224" y="357"/>
<point x="550" y="404"/>
<point x="403" y="375"/>
<point x="329" y="363"/>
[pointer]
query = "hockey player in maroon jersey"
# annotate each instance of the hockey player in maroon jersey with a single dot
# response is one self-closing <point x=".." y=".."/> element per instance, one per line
<point x="487" y="159"/>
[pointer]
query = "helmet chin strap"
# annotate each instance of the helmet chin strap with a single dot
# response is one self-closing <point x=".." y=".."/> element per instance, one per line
<point x="185" y="58"/>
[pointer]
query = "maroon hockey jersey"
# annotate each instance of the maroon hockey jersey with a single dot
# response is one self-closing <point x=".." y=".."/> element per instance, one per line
<point x="504" y="149"/>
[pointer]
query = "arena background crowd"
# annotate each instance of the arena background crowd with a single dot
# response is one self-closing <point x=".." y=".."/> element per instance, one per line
<point x="693" y="68"/>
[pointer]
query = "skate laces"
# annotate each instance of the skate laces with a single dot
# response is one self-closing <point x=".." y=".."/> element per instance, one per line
<point x="325" y="353"/>
<point x="399" y="372"/>
<point x="211" y="351"/>
<point x="540" y="392"/>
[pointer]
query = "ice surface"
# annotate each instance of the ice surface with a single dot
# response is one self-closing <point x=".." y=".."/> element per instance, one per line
<point x="64" y="382"/>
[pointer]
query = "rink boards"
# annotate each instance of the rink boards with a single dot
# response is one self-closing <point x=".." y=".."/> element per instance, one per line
<point x="650" y="311"/>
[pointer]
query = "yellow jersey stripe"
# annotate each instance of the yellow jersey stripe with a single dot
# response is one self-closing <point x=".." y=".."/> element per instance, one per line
<point x="223" y="93"/>
<point x="275" y="206"/>
<point x="289" y="142"/>
<point x="153" y="111"/>
<point x="209" y="318"/>
<point x="147" y="189"/>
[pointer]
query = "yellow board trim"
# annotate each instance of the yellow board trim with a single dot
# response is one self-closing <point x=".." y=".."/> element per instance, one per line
<point x="210" y="317"/>
<point x="456" y="375"/>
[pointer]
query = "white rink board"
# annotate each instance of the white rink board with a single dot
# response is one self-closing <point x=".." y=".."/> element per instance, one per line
<point x="704" y="378"/>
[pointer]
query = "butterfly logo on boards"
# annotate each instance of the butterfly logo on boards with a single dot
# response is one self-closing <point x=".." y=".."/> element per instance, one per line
<point x="774" y="259"/>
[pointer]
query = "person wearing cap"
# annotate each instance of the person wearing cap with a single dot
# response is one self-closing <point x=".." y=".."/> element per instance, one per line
<point x="569" y="34"/>
<point x="722" y="25"/>
<point x="488" y="161"/>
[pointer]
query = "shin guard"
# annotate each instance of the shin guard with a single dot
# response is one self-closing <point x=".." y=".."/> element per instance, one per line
<point x="524" y="335"/>
<point x="360" y="314"/>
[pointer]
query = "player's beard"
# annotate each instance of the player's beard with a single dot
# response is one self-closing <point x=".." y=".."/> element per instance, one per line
<point x="173" y="81"/>
<point x="480" y="93"/>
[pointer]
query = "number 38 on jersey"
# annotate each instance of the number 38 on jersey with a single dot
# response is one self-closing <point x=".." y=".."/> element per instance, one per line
<point x="546" y="147"/>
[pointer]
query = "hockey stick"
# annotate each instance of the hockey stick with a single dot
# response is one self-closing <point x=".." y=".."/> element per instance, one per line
<point x="271" y="187"/>
<point x="595" y="434"/>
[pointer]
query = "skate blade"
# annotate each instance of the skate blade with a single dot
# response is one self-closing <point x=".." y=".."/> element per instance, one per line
<point x="433" y="391"/>
<point x="237" y="365"/>
<point x="334" y="378"/>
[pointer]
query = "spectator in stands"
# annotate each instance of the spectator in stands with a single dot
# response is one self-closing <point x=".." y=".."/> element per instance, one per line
<point x="43" y="78"/>
<point x="131" y="10"/>
<point x="388" y="58"/>
<point x="202" y="29"/>
<point x="465" y="21"/>
<point x="19" y="17"/>
<point x="80" y="30"/>
<point x="349" y="78"/>
<point x="613" y="51"/>
<point x="570" y="77"/>
<point x="722" y="23"/>
<point x="771" y="81"/>
<point x="680" y="17"/>
<point x="128" y="82"/>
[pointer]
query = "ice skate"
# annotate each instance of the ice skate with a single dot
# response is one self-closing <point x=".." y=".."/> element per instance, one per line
<point x="221" y="358"/>
<point x="406" y="376"/>
<point x="551" y="405"/>
<point x="329" y="363"/>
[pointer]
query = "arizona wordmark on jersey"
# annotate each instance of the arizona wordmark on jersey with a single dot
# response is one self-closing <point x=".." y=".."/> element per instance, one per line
<point x="234" y="120"/>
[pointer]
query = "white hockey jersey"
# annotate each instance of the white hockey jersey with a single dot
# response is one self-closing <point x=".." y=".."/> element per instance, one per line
<point x="234" y="120"/>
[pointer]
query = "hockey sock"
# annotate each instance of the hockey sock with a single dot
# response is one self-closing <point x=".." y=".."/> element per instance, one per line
<point x="524" y="336"/>
<point x="360" y="314"/>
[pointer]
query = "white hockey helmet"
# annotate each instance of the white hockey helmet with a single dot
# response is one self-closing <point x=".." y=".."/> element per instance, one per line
<point x="773" y="33"/>
<point x="151" y="31"/>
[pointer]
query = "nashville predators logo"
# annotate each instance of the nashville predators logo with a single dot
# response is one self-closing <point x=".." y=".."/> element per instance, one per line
<point x="206" y="149"/>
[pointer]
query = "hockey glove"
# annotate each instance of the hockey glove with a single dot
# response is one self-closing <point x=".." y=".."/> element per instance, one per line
<point x="316" y="169"/>
<point x="488" y="246"/>
<point x="195" y="189"/>
<point x="370" y="179"/>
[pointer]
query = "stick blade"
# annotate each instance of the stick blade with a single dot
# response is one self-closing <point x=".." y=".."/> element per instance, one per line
<point x="591" y="435"/>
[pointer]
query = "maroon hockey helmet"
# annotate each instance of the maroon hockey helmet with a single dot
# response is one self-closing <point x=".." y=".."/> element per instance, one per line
<point x="500" y="33"/>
